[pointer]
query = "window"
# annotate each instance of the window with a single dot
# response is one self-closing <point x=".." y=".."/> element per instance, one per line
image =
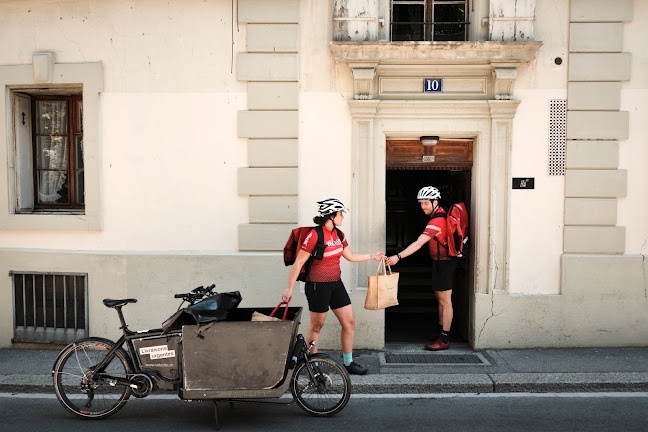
<point x="50" y="307"/>
<point x="76" y="89"/>
<point x="52" y="125"/>
<point x="429" y="20"/>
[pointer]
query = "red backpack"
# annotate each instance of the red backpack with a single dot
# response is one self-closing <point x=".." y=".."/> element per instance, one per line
<point x="296" y="239"/>
<point x="457" y="229"/>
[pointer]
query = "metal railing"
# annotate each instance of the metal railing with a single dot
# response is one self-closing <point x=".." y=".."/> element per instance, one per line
<point x="50" y="307"/>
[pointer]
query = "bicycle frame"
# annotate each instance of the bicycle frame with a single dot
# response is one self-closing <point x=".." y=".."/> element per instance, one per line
<point x="131" y="353"/>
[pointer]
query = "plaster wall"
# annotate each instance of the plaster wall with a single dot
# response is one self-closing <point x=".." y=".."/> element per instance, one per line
<point x="168" y="161"/>
<point x="169" y="108"/>
<point x="145" y="45"/>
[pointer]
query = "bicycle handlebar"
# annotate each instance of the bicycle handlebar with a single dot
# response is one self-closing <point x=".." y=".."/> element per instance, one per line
<point x="196" y="294"/>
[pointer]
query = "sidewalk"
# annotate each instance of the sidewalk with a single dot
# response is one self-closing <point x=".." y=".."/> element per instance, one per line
<point x="457" y="370"/>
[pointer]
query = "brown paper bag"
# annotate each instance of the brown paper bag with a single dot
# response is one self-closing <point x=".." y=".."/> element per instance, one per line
<point x="382" y="289"/>
<point x="258" y="316"/>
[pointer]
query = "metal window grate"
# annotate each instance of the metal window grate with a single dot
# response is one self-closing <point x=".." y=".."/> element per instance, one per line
<point x="557" y="136"/>
<point x="50" y="307"/>
<point x="433" y="358"/>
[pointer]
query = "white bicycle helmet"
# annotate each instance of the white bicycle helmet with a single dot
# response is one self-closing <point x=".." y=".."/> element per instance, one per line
<point x="330" y="205"/>
<point x="428" y="193"/>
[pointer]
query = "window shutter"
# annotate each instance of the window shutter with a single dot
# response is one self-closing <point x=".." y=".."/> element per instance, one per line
<point x="512" y="20"/>
<point x="24" y="161"/>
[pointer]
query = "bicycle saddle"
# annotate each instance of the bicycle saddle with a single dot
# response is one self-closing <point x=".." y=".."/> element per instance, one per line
<point x="115" y="303"/>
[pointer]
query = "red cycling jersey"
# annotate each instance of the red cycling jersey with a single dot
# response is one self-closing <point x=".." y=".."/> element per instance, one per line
<point x="436" y="230"/>
<point x="328" y="268"/>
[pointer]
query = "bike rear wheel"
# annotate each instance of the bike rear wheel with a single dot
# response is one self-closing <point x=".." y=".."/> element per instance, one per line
<point x="75" y="388"/>
<point x="327" y="392"/>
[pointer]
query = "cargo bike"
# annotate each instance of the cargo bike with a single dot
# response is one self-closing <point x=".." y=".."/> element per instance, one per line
<point x="209" y="350"/>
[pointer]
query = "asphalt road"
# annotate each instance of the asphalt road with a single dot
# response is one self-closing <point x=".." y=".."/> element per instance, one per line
<point x="459" y="412"/>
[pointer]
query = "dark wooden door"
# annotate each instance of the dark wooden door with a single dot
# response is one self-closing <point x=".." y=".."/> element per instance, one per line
<point x="406" y="174"/>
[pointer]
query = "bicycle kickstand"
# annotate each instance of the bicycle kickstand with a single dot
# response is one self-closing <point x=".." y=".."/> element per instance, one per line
<point x="217" y="425"/>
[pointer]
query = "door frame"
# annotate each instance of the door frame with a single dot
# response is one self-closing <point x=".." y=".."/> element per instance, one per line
<point x="489" y="124"/>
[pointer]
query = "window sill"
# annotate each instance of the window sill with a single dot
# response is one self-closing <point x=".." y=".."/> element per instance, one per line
<point x="55" y="212"/>
<point x="51" y="221"/>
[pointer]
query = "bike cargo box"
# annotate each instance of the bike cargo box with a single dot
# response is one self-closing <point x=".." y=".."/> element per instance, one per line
<point x="237" y="357"/>
<point x="160" y="353"/>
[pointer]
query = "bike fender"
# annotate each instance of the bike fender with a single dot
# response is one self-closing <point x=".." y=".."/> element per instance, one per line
<point x="107" y="341"/>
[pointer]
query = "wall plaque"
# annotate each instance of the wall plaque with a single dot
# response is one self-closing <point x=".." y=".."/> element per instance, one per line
<point x="523" y="182"/>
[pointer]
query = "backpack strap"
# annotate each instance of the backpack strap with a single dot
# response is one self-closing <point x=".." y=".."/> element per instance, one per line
<point x="320" y="237"/>
<point x="434" y="216"/>
<point x="340" y="234"/>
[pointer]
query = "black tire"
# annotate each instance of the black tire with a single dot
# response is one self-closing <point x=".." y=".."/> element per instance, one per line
<point x="327" y="393"/>
<point x="90" y="399"/>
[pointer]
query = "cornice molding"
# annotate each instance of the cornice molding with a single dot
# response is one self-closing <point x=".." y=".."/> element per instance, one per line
<point x="497" y="60"/>
<point x="501" y="54"/>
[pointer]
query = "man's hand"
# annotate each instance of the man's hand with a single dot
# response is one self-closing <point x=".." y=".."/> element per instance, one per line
<point x="392" y="260"/>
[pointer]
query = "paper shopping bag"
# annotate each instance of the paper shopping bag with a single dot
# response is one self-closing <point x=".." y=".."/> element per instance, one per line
<point x="258" y="316"/>
<point x="382" y="289"/>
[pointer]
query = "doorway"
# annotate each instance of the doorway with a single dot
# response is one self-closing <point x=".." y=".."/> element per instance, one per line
<point x="408" y="171"/>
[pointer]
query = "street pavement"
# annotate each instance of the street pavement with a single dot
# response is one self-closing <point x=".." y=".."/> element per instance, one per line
<point x="408" y="369"/>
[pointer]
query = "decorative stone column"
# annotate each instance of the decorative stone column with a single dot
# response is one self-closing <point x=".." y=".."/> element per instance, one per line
<point x="502" y="113"/>
<point x="364" y="183"/>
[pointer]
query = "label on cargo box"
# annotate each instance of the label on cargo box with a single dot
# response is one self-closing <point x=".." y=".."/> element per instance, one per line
<point x="161" y="355"/>
<point x="157" y="352"/>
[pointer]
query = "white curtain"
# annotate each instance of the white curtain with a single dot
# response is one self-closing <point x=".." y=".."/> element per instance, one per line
<point x="52" y="149"/>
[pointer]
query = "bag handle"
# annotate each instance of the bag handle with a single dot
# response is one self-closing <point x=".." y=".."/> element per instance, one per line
<point x="277" y="308"/>
<point x="381" y="266"/>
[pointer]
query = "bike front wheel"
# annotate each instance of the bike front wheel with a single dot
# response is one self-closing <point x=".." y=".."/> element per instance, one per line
<point x="81" y="390"/>
<point x="324" y="394"/>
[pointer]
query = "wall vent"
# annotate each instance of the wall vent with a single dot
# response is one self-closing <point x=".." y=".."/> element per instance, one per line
<point x="50" y="307"/>
<point x="557" y="136"/>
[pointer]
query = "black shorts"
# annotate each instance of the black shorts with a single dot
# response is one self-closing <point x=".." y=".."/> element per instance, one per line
<point x="321" y="295"/>
<point x="443" y="274"/>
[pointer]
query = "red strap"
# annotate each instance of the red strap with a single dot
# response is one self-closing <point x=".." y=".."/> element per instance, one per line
<point x="277" y="308"/>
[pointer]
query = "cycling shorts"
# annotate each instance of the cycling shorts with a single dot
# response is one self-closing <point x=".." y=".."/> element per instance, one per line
<point x="322" y="295"/>
<point x="443" y="274"/>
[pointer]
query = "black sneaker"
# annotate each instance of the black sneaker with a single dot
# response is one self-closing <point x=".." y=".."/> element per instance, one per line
<point x="355" y="369"/>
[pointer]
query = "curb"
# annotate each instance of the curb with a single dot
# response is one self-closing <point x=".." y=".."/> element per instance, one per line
<point x="502" y="383"/>
<point x="431" y="383"/>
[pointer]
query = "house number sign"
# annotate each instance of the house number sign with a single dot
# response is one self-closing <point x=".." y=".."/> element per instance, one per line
<point x="432" y="85"/>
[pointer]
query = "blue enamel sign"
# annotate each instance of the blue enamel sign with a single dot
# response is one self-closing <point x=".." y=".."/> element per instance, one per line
<point x="432" y="84"/>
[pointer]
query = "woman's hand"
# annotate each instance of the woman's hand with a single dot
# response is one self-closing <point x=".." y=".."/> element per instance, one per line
<point x="287" y="295"/>
<point x="392" y="260"/>
<point x="377" y="256"/>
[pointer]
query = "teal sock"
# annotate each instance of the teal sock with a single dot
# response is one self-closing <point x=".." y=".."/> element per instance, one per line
<point x="348" y="358"/>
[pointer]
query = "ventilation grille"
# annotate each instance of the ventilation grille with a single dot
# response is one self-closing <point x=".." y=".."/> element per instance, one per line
<point x="50" y="307"/>
<point x="557" y="136"/>
<point x="432" y="358"/>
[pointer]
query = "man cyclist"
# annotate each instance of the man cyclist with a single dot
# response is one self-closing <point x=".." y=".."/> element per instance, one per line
<point x="443" y="266"/>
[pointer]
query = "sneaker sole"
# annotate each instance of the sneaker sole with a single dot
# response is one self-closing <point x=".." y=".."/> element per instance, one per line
<point x="436" y="349"/>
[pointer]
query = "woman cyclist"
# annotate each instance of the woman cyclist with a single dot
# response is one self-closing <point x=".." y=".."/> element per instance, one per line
<point x="324" y="288"/>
